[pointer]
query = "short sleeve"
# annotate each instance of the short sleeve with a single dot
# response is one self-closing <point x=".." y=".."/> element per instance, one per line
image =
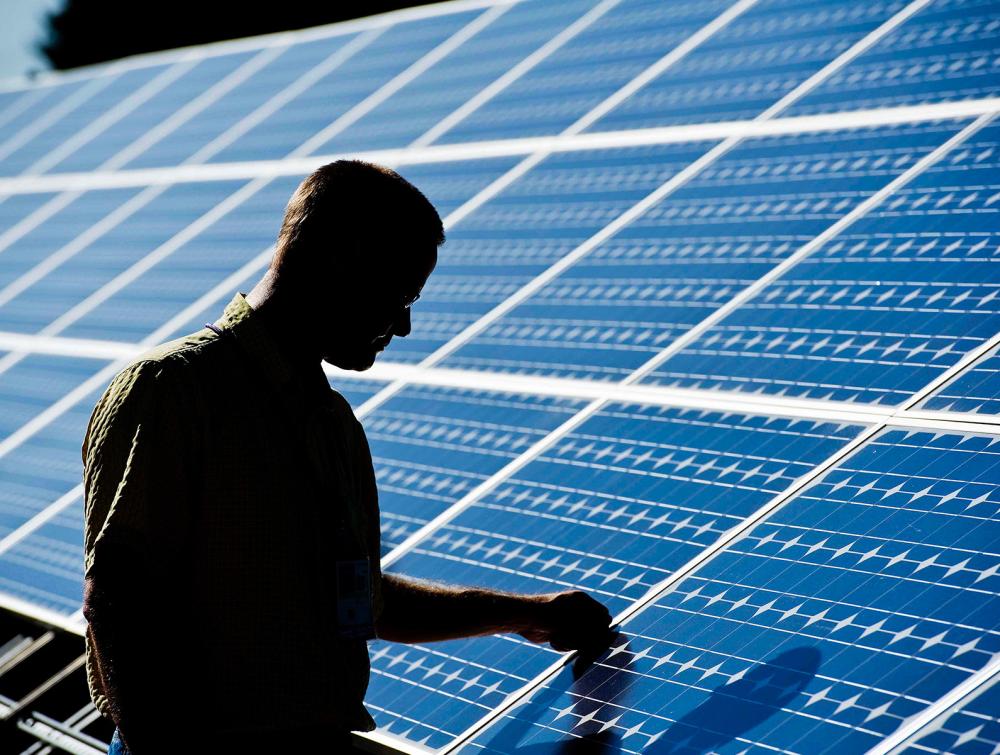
<point x="138" y="469"/>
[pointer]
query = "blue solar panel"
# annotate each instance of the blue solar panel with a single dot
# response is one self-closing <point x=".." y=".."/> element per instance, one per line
<point x="551" y="97"/>
<point x="44" y="468"/>
<point x="751" y="63"/>
<point x="104" y="93"/>
<point x="46" y="567"/>
<point x="147" y="221"/>
<point x="866" y="589"/>
<point x="31" y="383"/>
<point x="693" y="251"/>
<point x="971" y="729"/>
<point x="613" y="508"/>
<point x="880" y="310"/>
<point x="947" y="51"/>
<point x="531" y="224"/>
<point x="431" y="447"/>
<point x="365" y="68"/>
<point x="154" y="110"/>
<point x="848" y="610"/>
<point x="30" y="248"/>
<point x="419" y="106"/>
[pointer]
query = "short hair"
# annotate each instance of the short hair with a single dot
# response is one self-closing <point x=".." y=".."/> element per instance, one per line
<point x="351" y="200"/>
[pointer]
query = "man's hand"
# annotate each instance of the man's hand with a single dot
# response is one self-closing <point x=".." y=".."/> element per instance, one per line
<point x="569" y="620"/>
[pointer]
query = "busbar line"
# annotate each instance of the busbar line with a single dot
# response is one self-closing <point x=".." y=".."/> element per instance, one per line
<point x="111" y="116"/>
<point x="242" y="194"/>
<point x="195" y="172"/>
<point x="379" y="21"/>
<point x="551" y="386"/>
<point x="859" y="211"/>
<point x="923" y="722"/>
<point x="501" y="183"/>
<point x="513" y="74"/>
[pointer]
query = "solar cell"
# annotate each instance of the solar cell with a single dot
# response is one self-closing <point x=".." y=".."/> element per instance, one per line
<point x="751" y="63"/>
<point x="98" y="237"/>
<point x="946" y="52"/>
<point x="29" y="384"/>
<point x="693" y="251"/>
<point x="849" y="609"/>
<point x="93" y="99"/>
<point x="145" y="113"/>
<point x="573" y="80"/>
<point x="879" y="310"/>
<point x="21" y="252"/>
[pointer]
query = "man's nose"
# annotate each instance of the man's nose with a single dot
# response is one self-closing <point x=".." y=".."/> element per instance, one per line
<point x="401" y="327"/>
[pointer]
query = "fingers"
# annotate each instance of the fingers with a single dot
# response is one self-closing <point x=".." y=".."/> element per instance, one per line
<point x="578" y="622"/>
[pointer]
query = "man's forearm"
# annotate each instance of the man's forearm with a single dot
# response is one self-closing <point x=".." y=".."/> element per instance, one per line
<point x="418" y="611"/>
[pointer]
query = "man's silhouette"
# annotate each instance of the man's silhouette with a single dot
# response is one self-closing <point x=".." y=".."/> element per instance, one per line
<point x="232" y="541"/>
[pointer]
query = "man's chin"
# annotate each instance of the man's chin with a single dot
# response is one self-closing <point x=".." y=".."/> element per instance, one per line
<point x="355" y="362"/>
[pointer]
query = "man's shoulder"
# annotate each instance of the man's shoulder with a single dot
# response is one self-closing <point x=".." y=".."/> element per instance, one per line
<point x="180" y="360"/>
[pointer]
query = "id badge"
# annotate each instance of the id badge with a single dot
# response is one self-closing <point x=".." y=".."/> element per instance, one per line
<point x="354" y="600"/>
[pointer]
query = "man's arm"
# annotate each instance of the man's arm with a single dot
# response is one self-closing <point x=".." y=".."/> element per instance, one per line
<point x="417" y="611"/>
<point x="132" y="646"/>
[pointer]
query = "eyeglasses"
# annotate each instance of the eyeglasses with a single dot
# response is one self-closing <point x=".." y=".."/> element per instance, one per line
<point x="411" y="302"/>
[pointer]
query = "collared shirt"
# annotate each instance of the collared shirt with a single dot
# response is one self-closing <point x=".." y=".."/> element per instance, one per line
<point x="243" y="478"/>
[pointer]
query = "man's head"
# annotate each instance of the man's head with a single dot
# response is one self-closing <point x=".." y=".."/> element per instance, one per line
<point x="357" y="243"/>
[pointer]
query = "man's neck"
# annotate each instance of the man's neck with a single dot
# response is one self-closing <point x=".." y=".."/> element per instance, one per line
<point x="285" y="323"/>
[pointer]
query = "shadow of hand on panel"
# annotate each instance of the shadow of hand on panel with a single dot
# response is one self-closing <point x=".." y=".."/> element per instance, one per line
<point x="591" y="682"/>
<point x="738" y="707"/>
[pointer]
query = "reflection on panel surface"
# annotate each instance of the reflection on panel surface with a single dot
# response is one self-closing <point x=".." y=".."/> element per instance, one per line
<point x="613" y="508"/>
<point x="851" y="608"/>
<point x="881" y="309"/>
<point x="695" y="250"/>
<point x="948" y="51"/>
<point x="972" y="728"/>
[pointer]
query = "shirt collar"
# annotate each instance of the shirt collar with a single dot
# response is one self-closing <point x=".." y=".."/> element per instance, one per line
<point x="244" y="322"/>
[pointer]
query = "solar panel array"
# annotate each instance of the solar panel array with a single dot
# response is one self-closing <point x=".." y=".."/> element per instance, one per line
<point x="714" y="338"/>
